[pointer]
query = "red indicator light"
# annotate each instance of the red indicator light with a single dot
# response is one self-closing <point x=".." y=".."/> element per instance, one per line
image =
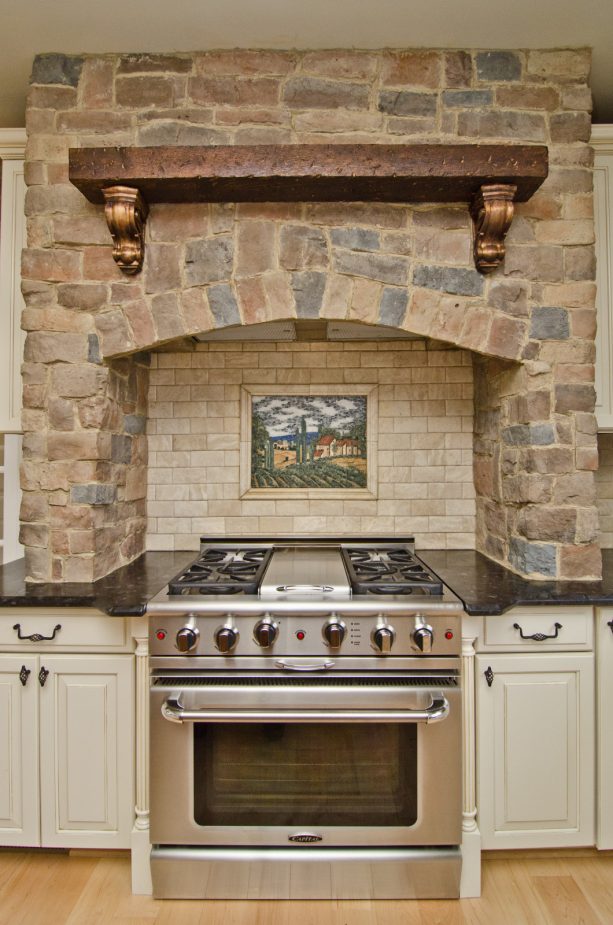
<point x="300" y="634"/>
<point x="161" y="634"/>
<point x="448" y="635"/>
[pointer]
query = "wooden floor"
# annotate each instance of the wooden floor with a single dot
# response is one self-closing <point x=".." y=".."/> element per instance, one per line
<point x="54" y="889"/>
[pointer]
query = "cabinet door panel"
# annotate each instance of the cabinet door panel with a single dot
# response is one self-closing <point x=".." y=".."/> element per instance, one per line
<point x="86" y="749"/>
<point x="18" y="752"/>
<point x="536" y="750"/>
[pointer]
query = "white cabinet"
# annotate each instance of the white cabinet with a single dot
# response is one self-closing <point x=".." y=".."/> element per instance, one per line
<point x="535" y="742"/>
<point x="604" y="669"/>
<point x="66" y="747"/>
<point x="535" y="703"/>
<point x="602" y="141"/>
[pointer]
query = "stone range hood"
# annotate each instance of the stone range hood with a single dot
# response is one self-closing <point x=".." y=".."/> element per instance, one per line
<point x="529" y="323"/>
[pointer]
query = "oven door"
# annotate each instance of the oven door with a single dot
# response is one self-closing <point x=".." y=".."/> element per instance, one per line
<point x="261" y="760"/>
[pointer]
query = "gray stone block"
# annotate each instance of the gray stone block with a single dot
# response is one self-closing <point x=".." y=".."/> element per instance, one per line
<point x="57" y="69"/>
<point x="121" y="448"/>
<point x="93" y="349"/>
<point x="93" y="493"/>
<point x="533" y="558"/>
<point x="549" y="323"/>
<point x="498" y="65"/>
<point x="455" y="280"/>
<point x="384" y="268"/>
<point x="465" y="99"/>
<point x="222" y="303"/>
<point x="407" y="103"/>
<point x="393" y="306"/>
<point x="529" y="435"/>
<point x="134" y="423"/>
<point x="209" y="260"/>
<point x="308" y="292"/>
<point x="356" y="239"/>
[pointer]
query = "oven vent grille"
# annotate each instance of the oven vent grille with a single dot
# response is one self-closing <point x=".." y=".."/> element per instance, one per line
<point x="429" y="681"/>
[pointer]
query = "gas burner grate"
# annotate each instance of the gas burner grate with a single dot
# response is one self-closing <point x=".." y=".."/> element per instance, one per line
<point x="222" y="571"/>
<point x="379" y="570"/>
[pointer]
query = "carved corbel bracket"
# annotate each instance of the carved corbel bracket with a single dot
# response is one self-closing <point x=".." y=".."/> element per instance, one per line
<point x="492" y="213"/>
<point x="126" y="212"/>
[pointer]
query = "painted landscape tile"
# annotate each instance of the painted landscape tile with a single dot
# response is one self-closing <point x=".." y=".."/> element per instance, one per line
<point x="308" y="441"/>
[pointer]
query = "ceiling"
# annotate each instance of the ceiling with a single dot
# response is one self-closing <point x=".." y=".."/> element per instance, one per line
<point x="74" y="26"/>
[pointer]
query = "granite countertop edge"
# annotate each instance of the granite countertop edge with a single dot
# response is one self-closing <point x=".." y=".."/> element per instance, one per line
<point x="484" y="587"/>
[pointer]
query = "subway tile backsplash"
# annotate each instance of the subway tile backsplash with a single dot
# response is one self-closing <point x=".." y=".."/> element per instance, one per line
<point x="424" y="456"/>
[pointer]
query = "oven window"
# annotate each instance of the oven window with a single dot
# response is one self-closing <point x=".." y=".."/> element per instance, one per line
<point x="298" y="774"/>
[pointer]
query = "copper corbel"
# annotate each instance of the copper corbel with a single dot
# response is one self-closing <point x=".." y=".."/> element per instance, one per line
<point x="492" y="213"/>
<point x="126" y="212"/>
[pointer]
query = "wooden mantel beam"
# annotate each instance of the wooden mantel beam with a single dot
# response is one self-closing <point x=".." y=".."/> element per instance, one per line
<point x="422" y="173"/>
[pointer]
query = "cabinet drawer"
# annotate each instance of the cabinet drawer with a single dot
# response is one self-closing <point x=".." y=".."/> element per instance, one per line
<point x="85" y="630"/>
<point x="514" y="630"/>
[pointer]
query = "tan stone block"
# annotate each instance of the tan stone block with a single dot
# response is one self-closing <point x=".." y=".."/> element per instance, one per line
<point x="561" y="64"/>
<point x="377" y="214"/>
<point x="196" y="311"/>
<point x="137" y="92"/>
<point x="71" y="381"/>
<point x="51" y="148"/>
<point x="98" y="265"/>
<point x="528" y="97"/>
<point x="235" y="91"/>
<point x="543" y="205"/>
<point x="96" y="83"/>
<point x="580" y="294"/>
<point x="507" y="336"/>
<point x="178" y="221"/>
<point x="140" y="320"/>
<point x="49" y="347"/>
<point x="337" y="296"/>
<point x="243" y="62"/>
<point x="55" y="319"/>
<point x="338" y="120"/>
<point x="412" y="68"/>
<point x="565" y="232"/>
<point x="78" y="568"/>
<point x="365" y="300"/>
<point x="583" y="323"/>
<point x="580" y="562"/>
<point x="53" y="265"/>
<point x="262" y="135"/>
<point x="115" y="336"/>
<point x="450" y="247"/>
<point x="241" y="116"/>
<point x="252" y="300"/>
<point x="280" y="295"/>
<point x="255" y="248"/>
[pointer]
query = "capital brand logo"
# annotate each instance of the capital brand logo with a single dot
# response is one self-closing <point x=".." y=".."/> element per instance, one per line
<point x="305" y="837"/>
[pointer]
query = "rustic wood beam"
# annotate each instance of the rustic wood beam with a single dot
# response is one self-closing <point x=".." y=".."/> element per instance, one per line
<point x="309" y="173"/>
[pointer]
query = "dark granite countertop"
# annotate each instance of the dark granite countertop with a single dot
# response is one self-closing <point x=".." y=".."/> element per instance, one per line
<point x="483" y="586"/>
<point x="123" y="593"/>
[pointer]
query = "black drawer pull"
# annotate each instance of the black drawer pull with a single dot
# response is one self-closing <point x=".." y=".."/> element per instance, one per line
<point x="37" y="637"/>
<point x="43" y="674"/>
<point x="24" y="674"/>
<point x="610" y="625"/>
<point x="489" y="675"/>
<point x="538" y="637"/>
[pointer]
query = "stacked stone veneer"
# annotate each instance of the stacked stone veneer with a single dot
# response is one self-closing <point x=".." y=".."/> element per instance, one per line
<point x="604" y="489"/>
<point x="89" y="327"/>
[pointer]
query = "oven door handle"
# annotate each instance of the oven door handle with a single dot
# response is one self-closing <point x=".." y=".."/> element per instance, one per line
<point x="438" y="710"/>
<point x="303" y="666"/>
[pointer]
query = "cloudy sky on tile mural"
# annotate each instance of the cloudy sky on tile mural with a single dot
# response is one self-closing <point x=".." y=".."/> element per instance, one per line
<point x="282" y="415"/>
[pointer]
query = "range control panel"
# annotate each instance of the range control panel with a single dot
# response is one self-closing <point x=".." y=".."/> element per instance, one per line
<point x="336" y="633"/>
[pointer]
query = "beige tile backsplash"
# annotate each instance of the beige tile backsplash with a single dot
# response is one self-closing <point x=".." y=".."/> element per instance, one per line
<point x="425" y="438"/>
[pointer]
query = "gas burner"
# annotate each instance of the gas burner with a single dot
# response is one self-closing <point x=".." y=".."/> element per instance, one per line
<point x="222" y="571"/>
<point x="378" y="570"/>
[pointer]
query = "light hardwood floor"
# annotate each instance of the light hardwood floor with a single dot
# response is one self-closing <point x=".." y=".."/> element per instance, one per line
<point x="55" y="889"/>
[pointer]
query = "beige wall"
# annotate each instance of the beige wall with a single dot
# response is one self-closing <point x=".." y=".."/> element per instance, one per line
<point x="425" y="424"/>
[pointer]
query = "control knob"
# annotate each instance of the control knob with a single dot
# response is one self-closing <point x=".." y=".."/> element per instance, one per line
<point x="187" y="638"/>
<point x="265" y="632"/>
<point x="423" y="636"/>
<point x="226" y="638"/>
<point x="383" y="638"/>
<point x="334" y="633"/>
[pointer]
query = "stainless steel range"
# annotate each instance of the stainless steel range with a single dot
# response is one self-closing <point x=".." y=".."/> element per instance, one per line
<point x="305" y="723"/>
